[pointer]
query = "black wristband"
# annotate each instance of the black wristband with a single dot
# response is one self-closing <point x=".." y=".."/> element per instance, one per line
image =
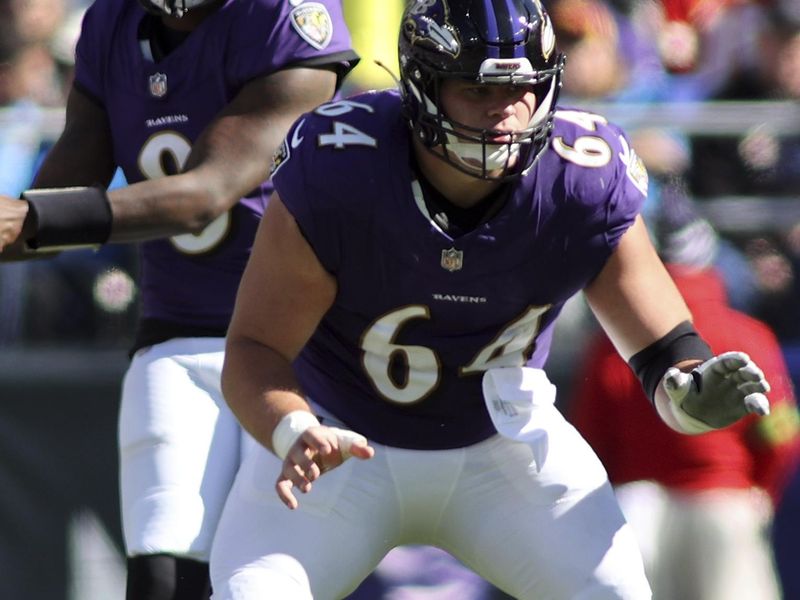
<point x="681" y="343"/>
<point x="74" y="216"/>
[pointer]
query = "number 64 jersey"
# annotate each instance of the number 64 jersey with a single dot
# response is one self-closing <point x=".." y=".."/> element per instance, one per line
<point x="420" y="315"/>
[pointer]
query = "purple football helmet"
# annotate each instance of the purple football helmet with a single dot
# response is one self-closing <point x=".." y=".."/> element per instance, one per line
<point x="486" y="41"/>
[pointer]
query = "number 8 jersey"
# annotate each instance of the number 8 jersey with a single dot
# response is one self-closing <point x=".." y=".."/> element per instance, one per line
<point x="158" y="108"/>
<point x="421" y="314"/>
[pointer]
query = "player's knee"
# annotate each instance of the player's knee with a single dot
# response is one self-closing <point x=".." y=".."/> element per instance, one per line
<point x="244" y="588"/>
<point x="167" y="577"/>
<point x="274" y="576"/>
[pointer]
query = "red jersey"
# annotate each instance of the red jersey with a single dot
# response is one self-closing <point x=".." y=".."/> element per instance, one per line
<point x="612" y="412"/>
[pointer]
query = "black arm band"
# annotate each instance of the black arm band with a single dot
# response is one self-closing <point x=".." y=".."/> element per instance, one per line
<point x="682" y="343"/>
<point x="75" y="216"/>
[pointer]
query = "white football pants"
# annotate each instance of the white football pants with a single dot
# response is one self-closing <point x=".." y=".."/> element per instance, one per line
<point x="556" y="534"/>
<point x="179" y="448"/>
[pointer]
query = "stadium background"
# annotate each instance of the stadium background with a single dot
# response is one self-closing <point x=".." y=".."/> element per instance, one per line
<point x="65" y="325"/>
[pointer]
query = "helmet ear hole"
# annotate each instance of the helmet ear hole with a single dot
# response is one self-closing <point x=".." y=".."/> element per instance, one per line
<point x="494" y="41"/>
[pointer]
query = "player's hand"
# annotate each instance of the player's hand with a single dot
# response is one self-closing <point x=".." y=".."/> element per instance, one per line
<point x="12" y="218"/>
<point x="716" y="393"/>
<point x="316" y="451"/>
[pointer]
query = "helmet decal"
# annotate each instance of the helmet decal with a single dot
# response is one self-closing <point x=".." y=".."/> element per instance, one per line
<point x="548" y="37"/>
<point x="427" y="24"/>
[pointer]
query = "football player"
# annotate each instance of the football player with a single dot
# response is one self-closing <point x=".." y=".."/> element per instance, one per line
<point x="399" y="306"/>
<point x="190" y="98"/>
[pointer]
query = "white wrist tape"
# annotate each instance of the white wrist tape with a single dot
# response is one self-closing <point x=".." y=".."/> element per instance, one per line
<point x="289" y="428"/>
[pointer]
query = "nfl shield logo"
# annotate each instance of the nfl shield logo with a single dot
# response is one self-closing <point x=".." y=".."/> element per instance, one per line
<point x="452" y="259"/>
<point x="313" y="22"/>
<point x="158" y="85"/>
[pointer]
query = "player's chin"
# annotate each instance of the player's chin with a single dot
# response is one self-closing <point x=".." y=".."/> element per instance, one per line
<point x="493" y="171"/>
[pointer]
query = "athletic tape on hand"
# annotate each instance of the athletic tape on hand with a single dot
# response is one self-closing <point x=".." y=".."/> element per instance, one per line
<point x="346" y="440"/>
<point x="289" y="428"/>
<point x="292" y="426"/>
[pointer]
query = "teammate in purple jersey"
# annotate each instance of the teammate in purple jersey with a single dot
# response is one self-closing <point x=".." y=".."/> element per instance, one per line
<point x="403" y="288"/>
<point x="190" y="98"/>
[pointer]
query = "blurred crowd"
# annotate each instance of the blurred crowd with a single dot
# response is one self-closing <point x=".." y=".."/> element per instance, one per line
<point x="640" y="52"/>
<point x="631" y="54"/>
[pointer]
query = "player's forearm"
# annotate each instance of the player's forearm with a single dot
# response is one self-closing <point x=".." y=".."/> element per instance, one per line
<point x="66" y="217"/>
<point x="174" y="205"/>
<point x="260" y="387"/>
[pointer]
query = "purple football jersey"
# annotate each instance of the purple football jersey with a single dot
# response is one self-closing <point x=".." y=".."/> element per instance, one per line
<point x="420" y="315"/>
<point x="158" y="109"/>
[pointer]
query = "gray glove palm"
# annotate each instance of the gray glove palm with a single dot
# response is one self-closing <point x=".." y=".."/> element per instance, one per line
<point x="715" y="394"/>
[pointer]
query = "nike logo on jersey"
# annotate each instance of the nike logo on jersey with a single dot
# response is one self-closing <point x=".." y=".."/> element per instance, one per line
<point x="297" y="139"/>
